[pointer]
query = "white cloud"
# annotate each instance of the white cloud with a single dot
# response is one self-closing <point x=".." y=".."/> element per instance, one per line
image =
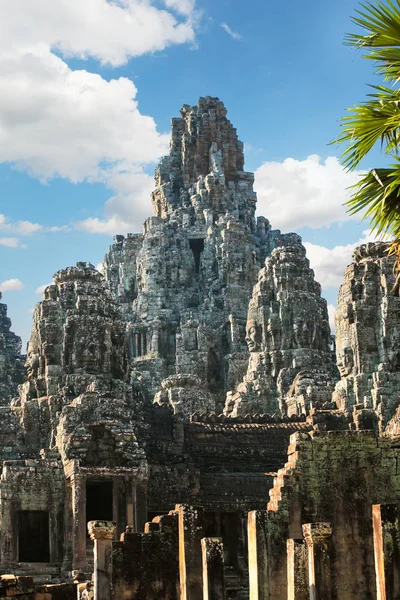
<point x="229" y="31"/>
<point x="11" y="242"/>
<point x="24" y="228"/>
<point x="125" y="211"/>
<point x="11" y="285"/>
<point x="111" y="32"/>
<point x="74" y="124"/>
<point x="329" y="263"/>
<point x="41" y="288"/>
<point x="331" y="314"/>
<point x="299" y="193"/>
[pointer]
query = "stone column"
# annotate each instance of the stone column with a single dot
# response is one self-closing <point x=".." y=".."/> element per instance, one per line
<point x="318" y="537"/>
<point x="297" y="570"/>
<point x="129" y="493"/>
<point x="103" y="533"/>
<point x="78" y="482"/>
<point x="385" y="520"/>
<point x="213" y="569"/>
<point x="8" y="534"/>
<point x="190" y="527"/>
<point x="258" y="563"/>
<point x="140" y="505"/>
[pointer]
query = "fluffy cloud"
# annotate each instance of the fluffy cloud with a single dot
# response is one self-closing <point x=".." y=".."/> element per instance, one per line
<point x="299" y="193"/>
<point x="11" y="285"/>
<point x="329" y="263"/>
<point x="60" y="122"/>
<point x="73" y="124"/>
<point x="111" y="32"/>
<point x="125" y="211"/>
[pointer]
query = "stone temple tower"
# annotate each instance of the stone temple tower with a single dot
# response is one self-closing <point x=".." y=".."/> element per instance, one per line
<point x="367" y="334"/>
<point x="11" y="360"/>
<point x="185" y="283"/>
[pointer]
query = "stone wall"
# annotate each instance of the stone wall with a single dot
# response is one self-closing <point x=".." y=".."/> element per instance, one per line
<point x="333" y="477"/>
<point x="145" y="566"/>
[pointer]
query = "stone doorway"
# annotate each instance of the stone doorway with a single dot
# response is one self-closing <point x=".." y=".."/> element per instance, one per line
<point x="99" y="500"/>
<point x="33" y="536"/>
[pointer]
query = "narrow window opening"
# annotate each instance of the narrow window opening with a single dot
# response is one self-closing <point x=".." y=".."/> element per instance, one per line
<point x="33" y="536"/>
<point x="197" y="247"/>
<point x="141" y="344"/>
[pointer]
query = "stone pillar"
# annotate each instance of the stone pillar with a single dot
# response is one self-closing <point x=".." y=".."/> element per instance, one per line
<point x="258" y="563"/>
<point x="103" y="533"/>
<point x="213" y="569"/>
<point x="78" y="482"/>
<point x="129" y="493"/>
<point x="140" y="505"/>
<point x="297" y="570"/>
<point x="318" y="537"/>
<point x="190" y="527"/>
<point x="8" y="533"/>
<point x="385" y="520"/>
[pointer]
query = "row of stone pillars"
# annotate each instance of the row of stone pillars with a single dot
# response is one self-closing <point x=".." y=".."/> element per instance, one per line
<point x="201" y="574"/>
<point x="201" y="560"/>
<point x="309" y="560"/>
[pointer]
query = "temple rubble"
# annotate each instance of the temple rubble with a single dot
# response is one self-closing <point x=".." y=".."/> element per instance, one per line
<point x="182" y="428"/>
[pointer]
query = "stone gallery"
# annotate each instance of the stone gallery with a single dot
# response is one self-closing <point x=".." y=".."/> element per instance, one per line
<point x="185" y="427"/>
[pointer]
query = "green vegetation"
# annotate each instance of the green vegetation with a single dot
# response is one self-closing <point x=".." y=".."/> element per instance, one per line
<point x="377" y="120"/>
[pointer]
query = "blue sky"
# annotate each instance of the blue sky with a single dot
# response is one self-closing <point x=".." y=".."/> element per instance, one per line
<point x="89" y="92"/>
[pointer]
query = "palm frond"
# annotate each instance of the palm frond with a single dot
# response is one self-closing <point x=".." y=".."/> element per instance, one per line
<point x="377" y="119"/>
<point x="382" y="38"/>
<point x="381" y="22"/>
<point x="377" y="196"/>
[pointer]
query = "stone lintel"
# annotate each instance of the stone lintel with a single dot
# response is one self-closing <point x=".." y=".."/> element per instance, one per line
<point x="316" y="532"/>
<point x="102" y="530"/>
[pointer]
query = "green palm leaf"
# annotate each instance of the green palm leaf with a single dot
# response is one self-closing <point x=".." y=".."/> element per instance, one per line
<point x="377" y="120"/>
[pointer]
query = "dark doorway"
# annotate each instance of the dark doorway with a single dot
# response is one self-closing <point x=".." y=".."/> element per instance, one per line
<point x="197" y="247"/>
<point x="33" y="536"/>
<point x="99" y="501"/>
<point x="214" y="372"/>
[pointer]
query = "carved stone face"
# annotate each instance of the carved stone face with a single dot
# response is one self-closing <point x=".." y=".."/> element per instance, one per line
<point x="50" y="293"/>
<point x="304" y="333"/>
<point x="32" y="364"/>
<point x="253" y="338"/>
<point x="345" y="362"/>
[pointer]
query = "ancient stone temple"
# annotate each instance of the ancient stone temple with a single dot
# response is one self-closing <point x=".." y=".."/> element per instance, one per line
<point x="185" y="283"/>
<point x="181" y="431"/>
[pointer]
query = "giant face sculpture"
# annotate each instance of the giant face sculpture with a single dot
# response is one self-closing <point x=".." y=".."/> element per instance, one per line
<point x="253" y="336"/>
<point x="345" y="362"/>
<point x="304" y="332"/>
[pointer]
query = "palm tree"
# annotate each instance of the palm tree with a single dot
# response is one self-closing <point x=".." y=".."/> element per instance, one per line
<point x="377" y="193"/>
